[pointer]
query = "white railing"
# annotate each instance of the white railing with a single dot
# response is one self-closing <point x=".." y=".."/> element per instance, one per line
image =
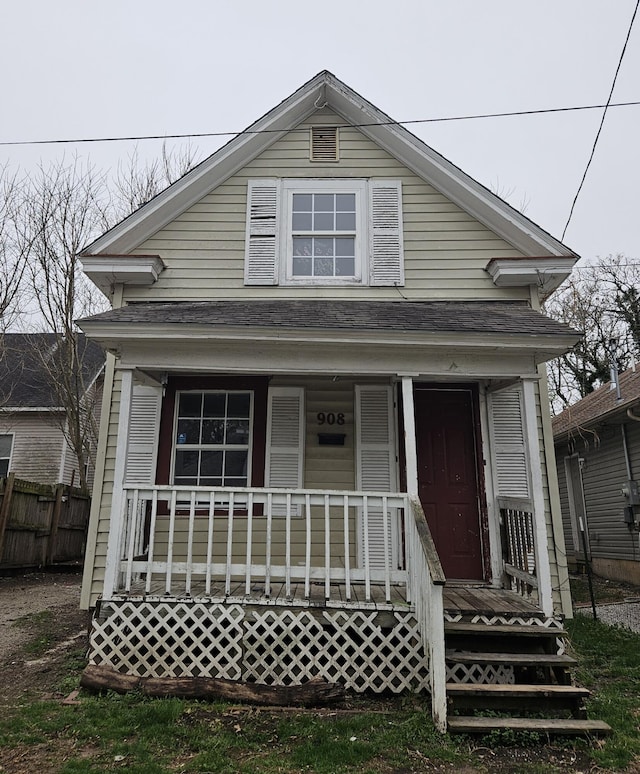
<point x="519" y="545"/>
<point x="426" y="582"/>
<point x="183" y="541"/>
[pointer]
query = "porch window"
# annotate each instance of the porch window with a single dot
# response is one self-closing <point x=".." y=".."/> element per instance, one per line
<point x="212" y="438"/>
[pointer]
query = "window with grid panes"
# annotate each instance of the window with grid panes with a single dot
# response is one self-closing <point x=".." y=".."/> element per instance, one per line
<point x="213" y="438"/>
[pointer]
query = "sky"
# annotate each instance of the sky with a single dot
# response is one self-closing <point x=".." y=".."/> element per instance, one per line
<point x="124" y="68"/>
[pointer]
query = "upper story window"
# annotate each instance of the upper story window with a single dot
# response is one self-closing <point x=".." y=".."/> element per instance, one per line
<point x="6" y="446"/>
<point x="212" y="438"/>
<point x="324" y="232"/>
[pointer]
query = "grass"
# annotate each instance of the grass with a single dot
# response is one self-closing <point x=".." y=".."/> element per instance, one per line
<point x="110" y="733"/>
<point x="609" y="665"/>
<point x="40" y="626"/>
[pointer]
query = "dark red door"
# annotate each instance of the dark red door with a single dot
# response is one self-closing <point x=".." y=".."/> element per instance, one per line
<point x="448" y="477"/>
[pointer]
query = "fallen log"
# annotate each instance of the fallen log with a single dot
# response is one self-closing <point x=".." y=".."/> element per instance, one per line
<point x="314" y="693"/>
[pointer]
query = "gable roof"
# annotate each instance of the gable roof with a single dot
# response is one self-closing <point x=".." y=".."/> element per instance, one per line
<point x="599" y="405"/>
<point x="24" y="382"/>
<point x="328" y="91"/>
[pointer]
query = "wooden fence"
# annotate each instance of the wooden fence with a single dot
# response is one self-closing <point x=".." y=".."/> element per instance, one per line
<point x="40" y="524"/>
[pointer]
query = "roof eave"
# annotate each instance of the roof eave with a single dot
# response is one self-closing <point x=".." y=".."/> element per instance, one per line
<point x="473" y="197"/>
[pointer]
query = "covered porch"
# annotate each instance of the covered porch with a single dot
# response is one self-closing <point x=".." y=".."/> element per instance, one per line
<point x="315" y="547"/>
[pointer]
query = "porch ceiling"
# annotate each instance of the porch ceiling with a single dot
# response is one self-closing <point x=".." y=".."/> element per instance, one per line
<point x="397" y="335"/>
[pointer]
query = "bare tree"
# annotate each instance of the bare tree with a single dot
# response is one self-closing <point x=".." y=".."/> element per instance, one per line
<point x="136" y="183"/>
<point x="13" y="247"/>
<point x="63" y="208"/>
<point x="47" y="219"/>
<point x="602" y="301"/>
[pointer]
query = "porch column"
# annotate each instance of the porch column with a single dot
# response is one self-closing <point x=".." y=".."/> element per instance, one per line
<point x="410" y="451"/>
<point x="116" y="517"/>
<point x="537" y="496"/>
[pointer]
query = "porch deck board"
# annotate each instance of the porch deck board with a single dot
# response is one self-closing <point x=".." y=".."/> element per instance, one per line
<point x="483" y="600"/>
<point x="278" y="594"/>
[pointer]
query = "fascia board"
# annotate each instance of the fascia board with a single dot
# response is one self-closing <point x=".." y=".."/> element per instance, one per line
<point x="209" y="174"/>
<point x="461" y="189"/>
<point x="31" y="409"/>
<point x="617" y="412"/>
<point x="450" y="180"/>
<point x="117" y="335"/>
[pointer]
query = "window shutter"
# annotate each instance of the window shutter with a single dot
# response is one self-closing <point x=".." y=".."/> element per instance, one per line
<point x="285" y="438"/>
<point x="385" y="206"/>
<point x="261" y="246"/>
<point x="509" y="443"/>
<point x="144" y="423"/>
<point x="376" y="465"/>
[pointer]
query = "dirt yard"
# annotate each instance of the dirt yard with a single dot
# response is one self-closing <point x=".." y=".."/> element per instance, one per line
<point x="44" y="606"/>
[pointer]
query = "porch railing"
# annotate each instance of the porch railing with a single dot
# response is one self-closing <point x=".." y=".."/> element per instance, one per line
<point x="182" y="541"/>
<point x="519" y="545"/>
<point x="426" y="580"/>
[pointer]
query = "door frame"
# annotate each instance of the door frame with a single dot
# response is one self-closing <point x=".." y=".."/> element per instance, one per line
<point x="477" y="427"/>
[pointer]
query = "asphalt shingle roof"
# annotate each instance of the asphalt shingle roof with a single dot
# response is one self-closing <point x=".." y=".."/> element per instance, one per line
<point x="417" y="316"/>
<point x="598" y="404"/>
<point x="23" y="377"/>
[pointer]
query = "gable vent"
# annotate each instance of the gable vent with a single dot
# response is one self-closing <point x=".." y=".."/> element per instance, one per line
<point x="324" y="143"/>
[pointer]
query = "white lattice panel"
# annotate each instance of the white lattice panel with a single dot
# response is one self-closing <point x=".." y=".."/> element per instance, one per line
<point x="287" y="647"/>
<point x="361" y="649"/>
<point x="476" y="673"/>
<point x="169" y="640"/>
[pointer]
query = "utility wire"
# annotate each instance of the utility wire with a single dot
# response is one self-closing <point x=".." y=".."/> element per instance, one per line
<point x="345" y="126"/>
<point x="604" y="114"/>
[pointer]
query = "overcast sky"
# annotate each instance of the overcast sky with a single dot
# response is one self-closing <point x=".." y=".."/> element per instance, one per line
<point x="83" y="69"/>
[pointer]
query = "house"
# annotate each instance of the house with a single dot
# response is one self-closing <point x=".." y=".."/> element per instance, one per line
<point x="598" y="455"/>
<point x="325" y="446"/>
<point x="33" y="419"/>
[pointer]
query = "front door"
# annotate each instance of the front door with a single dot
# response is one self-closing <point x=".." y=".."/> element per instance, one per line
<point x="448" y="477"/>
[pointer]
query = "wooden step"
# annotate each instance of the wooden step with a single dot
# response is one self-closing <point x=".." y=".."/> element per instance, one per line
<point x="548" y="698"/>
<point x="516" y="691"/>
<point x="461" y="724"/>
<point x="519" y="630"/>
<point x="512" y="659"/>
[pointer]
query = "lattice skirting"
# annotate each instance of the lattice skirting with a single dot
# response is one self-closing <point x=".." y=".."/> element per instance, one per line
<point x="361" y="649"/>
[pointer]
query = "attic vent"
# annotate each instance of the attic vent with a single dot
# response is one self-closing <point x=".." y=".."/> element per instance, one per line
<point x="324" y="143"/>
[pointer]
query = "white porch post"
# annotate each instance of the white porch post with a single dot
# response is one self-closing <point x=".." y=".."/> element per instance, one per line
<point x="433" y="593"/>
<point x="543" y="570"/>
<point x="410" y="451"/>
<point x="116" y="518"/>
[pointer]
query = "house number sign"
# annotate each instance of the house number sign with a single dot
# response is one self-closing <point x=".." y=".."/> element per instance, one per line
<point x="330" y="418"/>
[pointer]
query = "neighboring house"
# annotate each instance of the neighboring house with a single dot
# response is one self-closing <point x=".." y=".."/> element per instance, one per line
<point x="33" y="444"/>
<point x="320" y="334"/>
<point x="598" y="454"/>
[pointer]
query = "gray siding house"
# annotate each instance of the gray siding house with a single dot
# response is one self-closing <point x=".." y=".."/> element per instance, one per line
<point x="33" y="444"/>
<point x="597" y="444"/>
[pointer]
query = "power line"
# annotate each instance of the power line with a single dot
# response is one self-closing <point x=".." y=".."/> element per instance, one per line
<point x="195" y="135"/>
<point x="604" y="114"/>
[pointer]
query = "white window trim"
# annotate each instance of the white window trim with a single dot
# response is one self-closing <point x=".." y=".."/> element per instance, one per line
<point x="13" y="443"/>
<point x="314" y="185"/>
<point x="174" y="444"/>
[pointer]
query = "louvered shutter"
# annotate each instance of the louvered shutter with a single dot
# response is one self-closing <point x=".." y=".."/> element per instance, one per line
<point x="375" y="468"/>
<point x="509" y="443"/>
<point x="144" y="423"/>
<point x="385" y="214"/>
<point x="285" y="440"/>
<point x="261" y="246"/>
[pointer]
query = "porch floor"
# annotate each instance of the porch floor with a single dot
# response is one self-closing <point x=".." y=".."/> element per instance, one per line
<point x="458" y="599"/>
<point x="466" y="600"/>
<point x="278" y="594"/>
